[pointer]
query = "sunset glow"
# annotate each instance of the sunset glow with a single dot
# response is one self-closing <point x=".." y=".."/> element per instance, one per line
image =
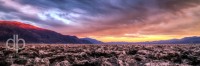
<point x="109" y="20"/>
<point x="137" y="39"/>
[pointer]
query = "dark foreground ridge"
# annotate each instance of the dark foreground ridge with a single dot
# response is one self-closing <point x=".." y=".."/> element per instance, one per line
<point x="102" y="55"/>
<point x="33" y="34"/>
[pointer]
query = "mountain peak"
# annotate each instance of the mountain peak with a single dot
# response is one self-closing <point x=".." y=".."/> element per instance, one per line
<point x="19" y="25"/>
<point x="34" y="34"/>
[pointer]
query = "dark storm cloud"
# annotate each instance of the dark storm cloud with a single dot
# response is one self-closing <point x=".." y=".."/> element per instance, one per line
<point x="3" y="9"/>
<point x="93" y="15"/>
<point x="6" y="9"/>
<point x="109" y="6"/>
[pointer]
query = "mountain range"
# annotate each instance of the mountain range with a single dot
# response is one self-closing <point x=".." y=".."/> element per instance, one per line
<point x="33" y="34"/>
<point x="94" y="41"/>
<point x="185" y="40"/>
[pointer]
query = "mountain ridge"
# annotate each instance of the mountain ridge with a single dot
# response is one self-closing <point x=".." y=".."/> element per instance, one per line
<point x="94" y="41"/>
<point x="184" y="40"/>
<point x="33" y="34"/>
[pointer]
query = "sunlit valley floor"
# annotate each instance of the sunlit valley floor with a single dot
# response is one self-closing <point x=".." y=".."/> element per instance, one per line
<point x="101" y="55"/>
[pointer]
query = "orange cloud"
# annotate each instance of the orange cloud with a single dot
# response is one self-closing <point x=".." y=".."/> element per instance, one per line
<point x="159" y="27"/>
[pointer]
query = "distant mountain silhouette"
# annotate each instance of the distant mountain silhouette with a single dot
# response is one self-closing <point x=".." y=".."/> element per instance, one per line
<point x="93" y="41"/>
<point x="32" y="34"/>
<point x="185" y="40"/>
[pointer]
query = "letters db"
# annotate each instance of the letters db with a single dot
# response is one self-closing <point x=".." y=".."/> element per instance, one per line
<point x="15" y="45"/>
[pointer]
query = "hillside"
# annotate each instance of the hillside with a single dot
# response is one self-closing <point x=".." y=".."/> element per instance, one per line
<point x="33" y="34"/>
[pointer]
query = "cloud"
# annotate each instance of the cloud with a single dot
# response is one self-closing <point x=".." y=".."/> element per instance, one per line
<point x="106" y="17"/>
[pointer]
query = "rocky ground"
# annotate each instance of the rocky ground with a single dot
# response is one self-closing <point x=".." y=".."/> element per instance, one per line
<point x="101" y="55"/>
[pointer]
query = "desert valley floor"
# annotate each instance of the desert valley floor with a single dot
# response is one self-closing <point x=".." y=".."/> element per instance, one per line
<point x="101" y="55"/>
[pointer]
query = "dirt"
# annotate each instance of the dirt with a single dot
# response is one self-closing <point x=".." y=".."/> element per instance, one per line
<point x="101" y="55"/>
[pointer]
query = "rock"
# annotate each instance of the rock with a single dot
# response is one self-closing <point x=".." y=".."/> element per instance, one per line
<point x="102" y="55"/>
<point x="20" y="61"/>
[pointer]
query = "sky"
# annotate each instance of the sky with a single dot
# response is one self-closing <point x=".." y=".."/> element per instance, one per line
<point x="109" y="20"/>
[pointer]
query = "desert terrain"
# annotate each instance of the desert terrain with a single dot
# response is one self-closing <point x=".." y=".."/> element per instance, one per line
<point x="102" y="55"/>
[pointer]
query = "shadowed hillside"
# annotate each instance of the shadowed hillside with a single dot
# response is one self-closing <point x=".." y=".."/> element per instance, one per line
<point x="33" y="34"/>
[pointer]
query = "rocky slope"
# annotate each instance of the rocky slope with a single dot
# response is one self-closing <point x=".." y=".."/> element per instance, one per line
<point x="33" y="34"/>
<point x="102" y="55"/>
